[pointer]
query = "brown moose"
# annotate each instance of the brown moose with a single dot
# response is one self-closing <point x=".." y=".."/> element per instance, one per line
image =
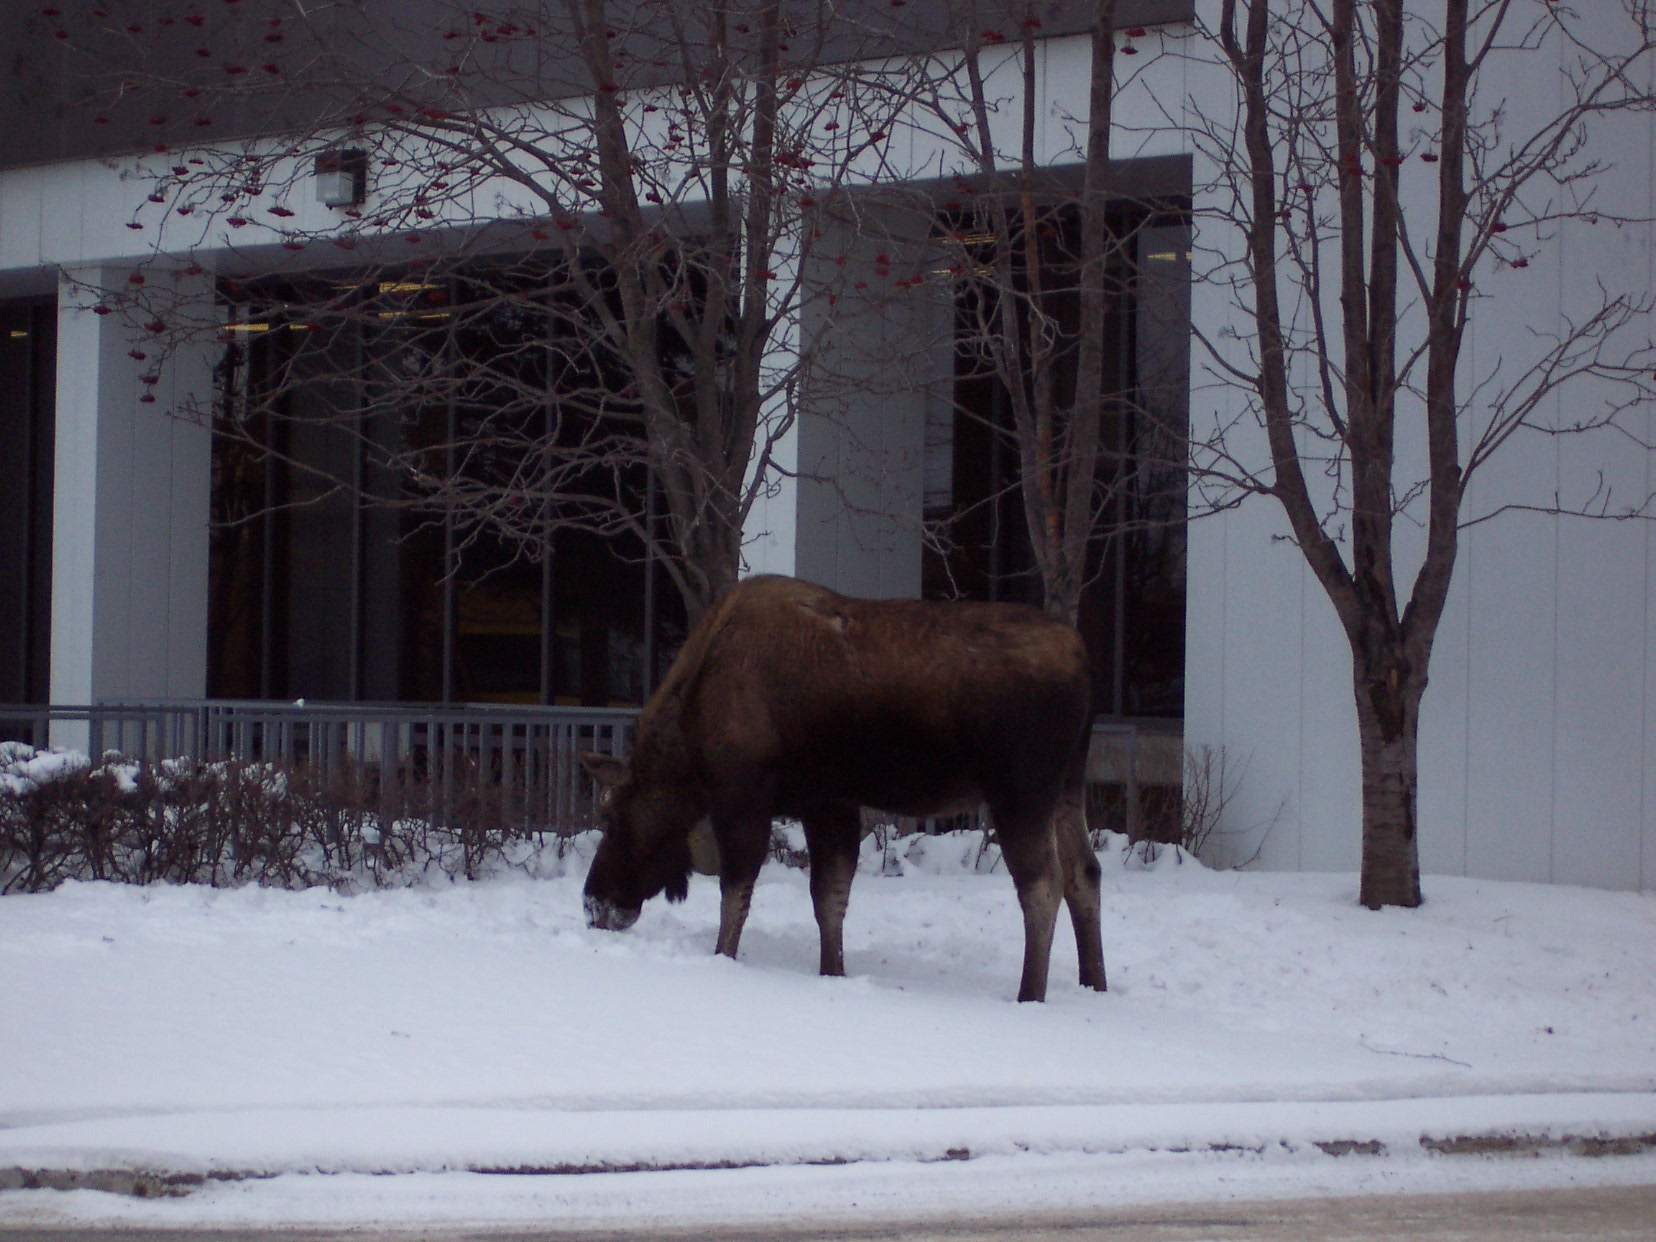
<point x="791" y="701"/>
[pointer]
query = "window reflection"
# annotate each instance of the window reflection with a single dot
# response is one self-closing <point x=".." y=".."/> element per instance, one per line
<point x="332" y="578"/>
<point x="1132" y="610"/>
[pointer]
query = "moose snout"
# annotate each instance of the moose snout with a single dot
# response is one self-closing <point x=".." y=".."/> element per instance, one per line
<point x="607" y="916"/>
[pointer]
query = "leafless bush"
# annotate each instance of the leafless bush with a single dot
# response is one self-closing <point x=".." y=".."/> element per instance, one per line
<point x="1212" y="780"/>
<point x="1192" y="816"/>
<point x="888" y="829"/>
<point x="787" y="844"/>
<point x="227" y="823"/>
<point x="1160" y="809"/>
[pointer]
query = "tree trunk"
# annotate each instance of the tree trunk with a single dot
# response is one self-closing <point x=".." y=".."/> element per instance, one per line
<point x="720" y="569"/>
<point x="1061" y="598"/>
<point x="710" y="554"/>
<point x="1388" y="719"/>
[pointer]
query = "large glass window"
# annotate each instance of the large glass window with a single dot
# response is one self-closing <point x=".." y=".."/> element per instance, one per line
<point x="1132" y="610"/>
<point x="333" y="578"/>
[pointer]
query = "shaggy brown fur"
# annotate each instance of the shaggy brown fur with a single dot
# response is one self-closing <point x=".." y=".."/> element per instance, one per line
<point x="789" y="700"/>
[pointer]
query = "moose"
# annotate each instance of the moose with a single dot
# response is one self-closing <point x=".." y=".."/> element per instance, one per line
<point x="789" y="700"/>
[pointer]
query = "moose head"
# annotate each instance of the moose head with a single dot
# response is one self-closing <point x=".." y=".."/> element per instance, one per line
<point x="645" y="848"/>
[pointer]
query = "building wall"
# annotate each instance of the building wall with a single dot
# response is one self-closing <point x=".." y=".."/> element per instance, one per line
<point x="1537" y="752"/>
<point x="130" y="499"/>
<point x="1538" y="759"/>
<point x="885" y="359"/>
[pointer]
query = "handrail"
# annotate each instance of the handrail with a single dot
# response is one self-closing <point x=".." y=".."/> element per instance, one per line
<point x="525" y="756"/>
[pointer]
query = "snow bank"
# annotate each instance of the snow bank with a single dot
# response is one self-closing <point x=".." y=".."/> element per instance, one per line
<point x="482" y="1025"/>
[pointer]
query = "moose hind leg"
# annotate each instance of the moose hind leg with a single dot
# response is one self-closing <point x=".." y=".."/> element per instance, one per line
<point x="1031" y="856"/>
<point x="832" y="834"/>
<point x="1081" y="883"/>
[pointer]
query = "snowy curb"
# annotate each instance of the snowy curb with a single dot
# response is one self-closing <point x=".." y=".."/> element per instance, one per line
<point x="174" y="1153"/>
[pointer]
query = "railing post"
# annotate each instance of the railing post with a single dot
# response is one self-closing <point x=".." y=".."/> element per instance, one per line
<point x="1134" y="813"/>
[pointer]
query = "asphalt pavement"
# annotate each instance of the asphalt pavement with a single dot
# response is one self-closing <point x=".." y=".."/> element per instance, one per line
<point x="1611" y="1214"/>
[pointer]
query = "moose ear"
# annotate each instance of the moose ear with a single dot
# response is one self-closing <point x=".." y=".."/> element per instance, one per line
<point x="606" y="770"/>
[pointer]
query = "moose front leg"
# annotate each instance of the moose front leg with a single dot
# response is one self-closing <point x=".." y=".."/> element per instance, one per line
<point x="742" y="842"/>
<point x="832" y="834"/>
<point x="735" y="896"/>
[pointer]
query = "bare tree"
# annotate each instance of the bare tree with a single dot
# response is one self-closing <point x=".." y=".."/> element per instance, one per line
<point x="576" y="281"/>
<point x="1057" y="447"/>
<point x="1358" y="284"/>
<point x="1037" y="268"/>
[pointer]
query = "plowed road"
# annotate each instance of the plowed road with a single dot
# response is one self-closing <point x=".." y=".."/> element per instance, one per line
<point x="1618" y="1214"/>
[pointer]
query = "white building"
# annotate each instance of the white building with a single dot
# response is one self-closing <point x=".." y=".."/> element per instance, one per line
<point x="1538" y="747"/>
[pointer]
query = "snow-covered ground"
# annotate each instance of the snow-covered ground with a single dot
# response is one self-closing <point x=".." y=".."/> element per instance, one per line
<point x="1257" y="1024"/>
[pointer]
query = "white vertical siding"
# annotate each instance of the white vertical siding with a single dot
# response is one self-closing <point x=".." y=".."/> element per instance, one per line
<point x="130" y="511"/>
<point x="1536" y="755"/>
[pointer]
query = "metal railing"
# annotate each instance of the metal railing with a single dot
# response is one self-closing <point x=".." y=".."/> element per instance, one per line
<point x="528" y="756"/>
<point x="1134" y="754"/>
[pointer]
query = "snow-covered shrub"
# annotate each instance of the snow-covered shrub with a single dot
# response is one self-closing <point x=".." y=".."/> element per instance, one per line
<point x="787" y="844"/>
<point x="1191" y="818"/>
<point x="56" y="817"/>
<point x="63" y="817"/>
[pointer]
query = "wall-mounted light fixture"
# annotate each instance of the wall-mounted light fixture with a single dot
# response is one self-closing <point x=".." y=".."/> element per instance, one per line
<point x="342" y="177"/>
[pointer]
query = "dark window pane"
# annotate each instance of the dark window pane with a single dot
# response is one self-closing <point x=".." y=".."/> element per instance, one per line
<point x="28" y="362"/>
<point x="332" y="579"/>
<point x="977" y="547"/>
